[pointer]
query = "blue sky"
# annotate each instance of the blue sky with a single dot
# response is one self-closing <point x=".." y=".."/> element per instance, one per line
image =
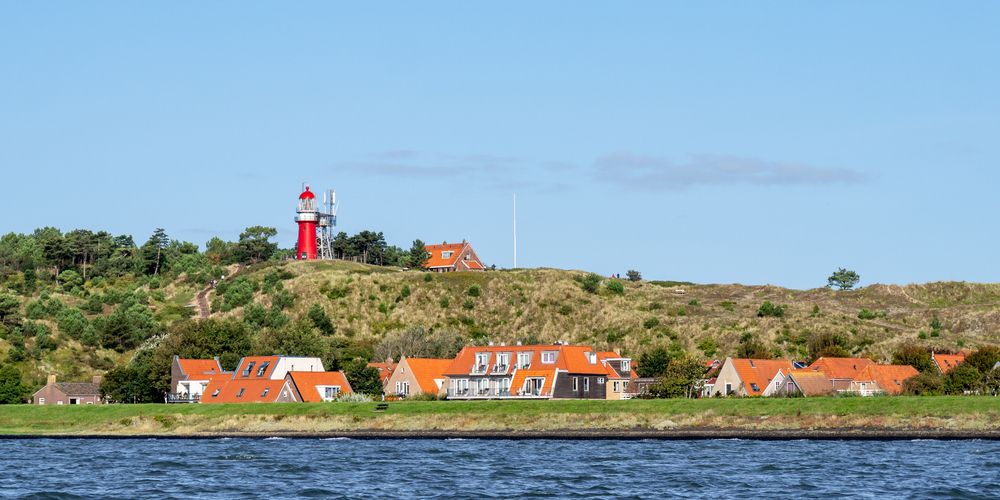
<point x="752" y="142"/>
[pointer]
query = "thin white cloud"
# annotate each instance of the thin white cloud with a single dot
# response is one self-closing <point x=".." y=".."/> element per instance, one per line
<point x="636" y="171"/>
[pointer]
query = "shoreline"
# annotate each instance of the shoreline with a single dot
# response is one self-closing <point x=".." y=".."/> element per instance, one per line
<point x="571" y="435"/>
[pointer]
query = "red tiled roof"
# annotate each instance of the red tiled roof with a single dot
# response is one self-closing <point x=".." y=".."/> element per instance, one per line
<point x="811" y="383"/>
<point x="243" y="391"/>
<point x="384" y="370"/>
<point x="307" y="382"/>
<point x="195" y="368"/>
<point x="257" y="361"/>
<point x="569" y="358"/>
<point x="841" y="368"/>
<point x="473" y="264"/>
<point x="437" y="258"/>
<point x="889" y="378"/>
<point x="426" y="371"/>
<point x="945" y="362"/>
<point x="759" y="372"/>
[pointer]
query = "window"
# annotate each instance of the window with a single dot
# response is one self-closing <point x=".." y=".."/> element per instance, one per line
<point x="505" y="386"/>
<point x="266" y="390"/>
<point x="576" y="383"/>
<point x="729" y="388"/>
<point x="402" y="388"/>
<point x="331" y="392"/>
<point x="754" y="386"/>
<point x="503" y="362"/>
<point x="216" y="393"/>
<point x="263" y="368"/>
<point x="586" y="384"/>
<point x="626" y="365"/>
<point x="246" y="371"/>
<point x="482" y="361"/>
<point x="447" y="254"/>
<point x="592" y="357"/>
<point x="600" y="380"/>
<point x="523" y="360"/>
<point x="615" y="384"/>
<point x="240" y="394"/>
<point x="41" y="401"/>
<point x="59" y="403"/>
<point x="549" y="357"/>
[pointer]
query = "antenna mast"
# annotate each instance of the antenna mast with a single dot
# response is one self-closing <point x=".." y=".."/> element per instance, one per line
<point x="515" y="230"/>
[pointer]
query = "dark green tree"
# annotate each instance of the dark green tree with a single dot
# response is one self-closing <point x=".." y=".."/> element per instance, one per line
<point x="633" y="275"/>
<point x="12" y="390"/>
<point x="915" y="356"/>
<point x="320" y="320"/>
<point x="418" y="255"/>
<point x="680" y="380"/>
<point x="152" y="252"/>
<point x="751" y="347"/>
<point x="963" y="378"/>
<point x="654" y="362"/>
<point x="843" y="279"/>
<point x="255" y="245"/>
<point x="591" y="283"/>
<point x="363" y="378"/>
<point x="924" y="384"/>
<point x="10" y="309"/>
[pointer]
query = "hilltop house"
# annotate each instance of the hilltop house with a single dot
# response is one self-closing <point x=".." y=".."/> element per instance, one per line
<point x="448" y="257"/>
<point x="882" y="379"/>
<point x="190" y="377"/>
<point x="945" y="362"/>
<point x="69" y="393"/>
<point x="557" y="371"/>
<point x="750" y="377"/>
<point x="275" y="379"/>
<point x="840" y="371"/>
<point x="414" y="376"/>
<point x="806" y="383"/>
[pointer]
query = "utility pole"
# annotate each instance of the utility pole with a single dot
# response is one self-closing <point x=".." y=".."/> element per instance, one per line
<point x="515" y="230"/>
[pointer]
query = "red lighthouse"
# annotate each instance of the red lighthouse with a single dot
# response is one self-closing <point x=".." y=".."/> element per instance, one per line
<point x="307" y="219"/>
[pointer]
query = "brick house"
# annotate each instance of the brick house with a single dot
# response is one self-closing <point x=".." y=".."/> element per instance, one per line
<point x="414" y="376"/>
<point x="448" y="257"/>
<point x="69" y="393"/>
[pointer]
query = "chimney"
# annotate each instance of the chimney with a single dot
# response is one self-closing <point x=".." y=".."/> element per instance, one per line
<point x="97" y="379"/>
<point x="503" y="344"/>
<point x="518" y="342"/>
<point x="490" y="343"/>
<point x="52" y="378"/>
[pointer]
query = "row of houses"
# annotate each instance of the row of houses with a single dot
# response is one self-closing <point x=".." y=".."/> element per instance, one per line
<point x="554" y="371"/>
<point x="825" y="376"/>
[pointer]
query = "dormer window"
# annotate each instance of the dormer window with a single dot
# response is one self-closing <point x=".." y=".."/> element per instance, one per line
<point x="447" y="254"/>
<point x="592" y="358"/>
<point x="482" y="361"/>
<point x="549" y="357"/>
<point x="246" y="371"/>
<point x="626" y="366"/>
<point x="523" y="360"/>
<point x="262" y="369"/>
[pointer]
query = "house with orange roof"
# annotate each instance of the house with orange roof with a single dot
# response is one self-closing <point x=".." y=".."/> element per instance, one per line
<point x="750" y="377"/>
<point x="946" y="362"/>
<point x="266" y="379"/>
<point x="190" y="377"/>
<point x="840" y="371"/>
<point x="315" y="387"/>
<point x="806" y="382"/>
<point x="385" y="369"/>
<point x="882" y="379"/>
<point x="621" y="374"/>
<point x="448" y="257"/>
<point x="414" y="376"/>
<point x="557" y="371"/>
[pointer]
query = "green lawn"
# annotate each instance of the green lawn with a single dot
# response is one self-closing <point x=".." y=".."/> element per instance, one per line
<point x="885" y="412"/>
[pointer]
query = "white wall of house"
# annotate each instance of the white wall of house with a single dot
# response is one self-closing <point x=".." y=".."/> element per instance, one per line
<point x="775" y="385"/>
<point x="191" y="387"/>
<point x="296" y="364"/>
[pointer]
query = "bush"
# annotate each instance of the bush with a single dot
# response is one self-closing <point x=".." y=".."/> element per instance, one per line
<point x="708" y="347"/>
<point x="868" y="314"/>
<point x="72" y="323"/>
<point x="727" y="305"/>
<point x="615" y="287"/>
<point x="615" y="336"/>
<point x="405" y="292"/>
<point x="474" y="291"/>
<point x="772" y="310"/>
<point x="428" y="277"/>
<point x="468" y="304"/>
<point x="237" y="293"/>
<point x="924" y="384"/>
<point x="590" y="283"/>
<point x="444" y="302"/>
<point x="282" y="299"/>
<point x="565" y="309"/>
<point x="651" y="323"/>
<point x="963" y="378"/>
<point x="633" y="275"/>
<point x="320" y="320"/>
<point x="915" y="356"/>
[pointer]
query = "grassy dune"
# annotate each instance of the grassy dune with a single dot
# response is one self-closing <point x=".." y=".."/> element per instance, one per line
<point x="874" y="414"/>
<point x="549" y="304"/>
